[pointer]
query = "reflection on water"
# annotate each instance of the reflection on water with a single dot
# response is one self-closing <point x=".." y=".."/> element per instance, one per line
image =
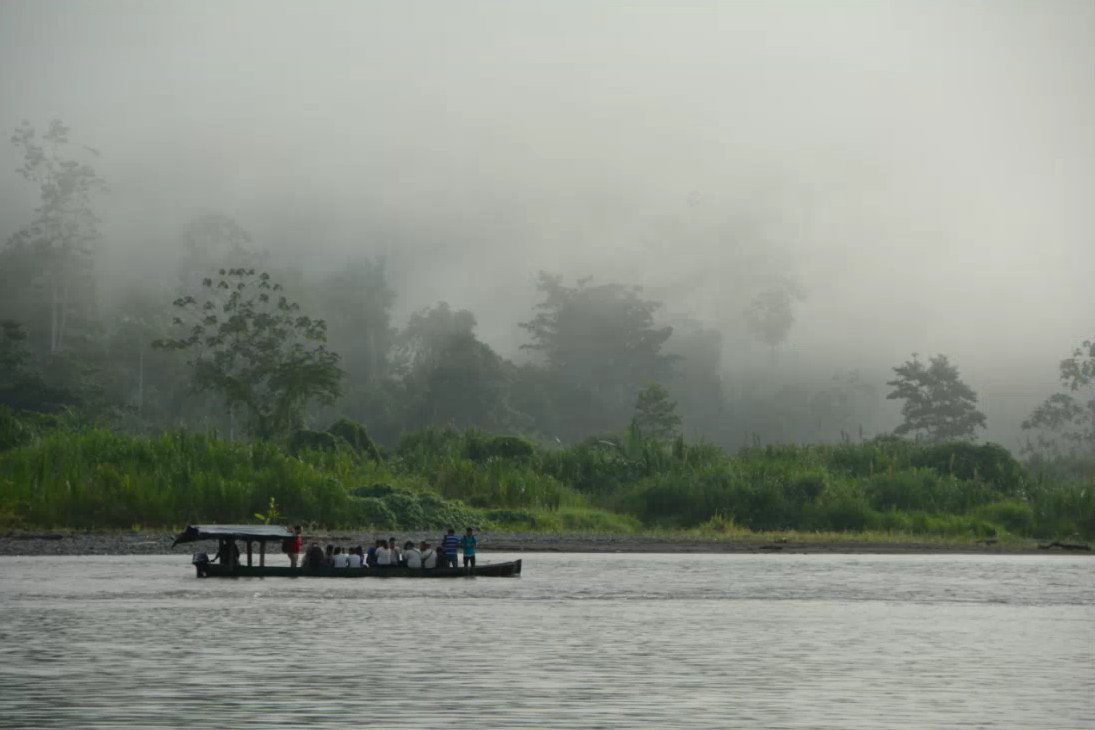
<point x="777" y="641"/>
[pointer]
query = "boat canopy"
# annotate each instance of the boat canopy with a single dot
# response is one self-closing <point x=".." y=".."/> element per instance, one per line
<point x="262" y="533"/>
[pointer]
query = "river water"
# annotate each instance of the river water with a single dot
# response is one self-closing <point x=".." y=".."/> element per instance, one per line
<point x="579" y="641"/>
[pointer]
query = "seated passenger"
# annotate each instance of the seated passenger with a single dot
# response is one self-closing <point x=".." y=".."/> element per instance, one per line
<point x="329" y="558"/>
<point x="394" y="550"/>
<point x="370" y="557"/>
<point x="429" y="556"/>
<point x="383" y="555"/>
<point x="411" y="557"/>
<point x="354" y="558"/>
<point x="314" y="558"/>
<point x="341" y="559"/>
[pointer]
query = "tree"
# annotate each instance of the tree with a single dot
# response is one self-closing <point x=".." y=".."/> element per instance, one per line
<point x="251" y="345"/>
<point x="429" y="332"/>
<point x="356" y="303"/>
<point x="697" y="385"/>
<point x="938" y="405"/>
<point x="1063" y="421"/>
<point x="770" y="315"/>
<point x="212" y="242"/>
<point x="22" y="389"/>
<point x="655" y="415"/>
<point x="599" y="341"/>
<point x="450" y="377"/>
<point x="50" y="262"/>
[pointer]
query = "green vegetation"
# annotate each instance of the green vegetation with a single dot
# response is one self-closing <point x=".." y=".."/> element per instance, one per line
<point x="53" y="475"/>
<point x="109" y="404"/>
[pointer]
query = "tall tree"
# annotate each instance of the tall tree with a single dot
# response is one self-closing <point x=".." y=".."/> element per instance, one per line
<point x="938" y="406"/>
<point x="250" y="344"/>
<point x="450" y="377"/>
<point x="1066" y="421"/>
<point x="655" y="415"/>
<point x="50" y="283"/>
<point x="600" y="339"/>
<point x="356" y="302"/>
<point x="212" y="242"/>
<point x="21" y="388"/>
<point x="697" y="385"/>
<point x="770" y="315"/>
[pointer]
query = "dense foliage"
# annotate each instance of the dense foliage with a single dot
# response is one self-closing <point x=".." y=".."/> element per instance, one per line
<point x="98" y="428"/>
<point x="51" y="474"/>
<point x="252" y="346"/>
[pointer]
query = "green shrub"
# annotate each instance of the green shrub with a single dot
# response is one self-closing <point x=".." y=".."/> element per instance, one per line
<point x="354" y="434"/>
<point x="594" y="520"/>
<point x="380" y="491"/>
<point x="514" y="519"/>
<point x="502" y="447"/>
<point x="1015" y="517"/>
<point x="925" y="489"/>
<point x="312" y="440"/>
<point x="13" y="431"/>
<point x="370" y="512"/>
<point x="989" y="463"/>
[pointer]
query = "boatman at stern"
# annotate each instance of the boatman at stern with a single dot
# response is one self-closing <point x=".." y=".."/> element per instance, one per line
<point x="467" y="542"/>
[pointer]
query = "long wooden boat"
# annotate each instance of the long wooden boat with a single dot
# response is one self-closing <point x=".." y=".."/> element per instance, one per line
<point x="487" y="570"/>
<point x="228" y="535"/>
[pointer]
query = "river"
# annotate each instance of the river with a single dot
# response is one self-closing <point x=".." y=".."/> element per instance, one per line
<point x="579" y="641"/>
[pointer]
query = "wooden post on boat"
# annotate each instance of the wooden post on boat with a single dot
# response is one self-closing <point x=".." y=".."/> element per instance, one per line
<point x="262" y="554"/>
<point x="249" y="544"/>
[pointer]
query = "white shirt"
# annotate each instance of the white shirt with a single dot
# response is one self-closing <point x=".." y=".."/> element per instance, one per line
<point x="429" y="558"/>
<point x="354" y="560"/>
<point x="342" y="561"/>
<point x="383" y="556"/>
<point x="414" y="558"/>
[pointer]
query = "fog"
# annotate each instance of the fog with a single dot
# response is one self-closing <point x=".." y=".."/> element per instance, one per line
<point x="921" y="171"/>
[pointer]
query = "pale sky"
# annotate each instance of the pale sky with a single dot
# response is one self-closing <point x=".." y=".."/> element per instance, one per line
<point x="922" y="169"/>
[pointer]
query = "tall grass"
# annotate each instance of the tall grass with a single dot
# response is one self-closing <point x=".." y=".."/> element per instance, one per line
<point x="96" y="478"/>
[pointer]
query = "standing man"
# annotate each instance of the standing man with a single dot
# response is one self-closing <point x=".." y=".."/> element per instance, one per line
<point x="467" y="542"/>
<point x="449" y="543"/>
<point x="295" y="545"/>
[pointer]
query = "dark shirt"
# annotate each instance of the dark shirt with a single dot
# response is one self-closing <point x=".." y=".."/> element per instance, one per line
<point x="314" y="557"/>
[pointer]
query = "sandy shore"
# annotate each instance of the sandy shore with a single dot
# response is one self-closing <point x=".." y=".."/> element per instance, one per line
<point x="159" y="543"/>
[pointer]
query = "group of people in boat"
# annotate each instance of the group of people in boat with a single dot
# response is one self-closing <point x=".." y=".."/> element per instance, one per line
<point x="386" y="554"/>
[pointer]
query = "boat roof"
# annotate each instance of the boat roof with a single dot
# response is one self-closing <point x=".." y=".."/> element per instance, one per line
<point x="194" y="533"/>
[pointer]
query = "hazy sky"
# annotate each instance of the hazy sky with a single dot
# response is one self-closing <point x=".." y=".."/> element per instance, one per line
<point x="923" y="169"/>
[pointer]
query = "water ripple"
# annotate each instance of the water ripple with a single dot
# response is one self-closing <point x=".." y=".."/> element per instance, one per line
<point x="580" y="641"/>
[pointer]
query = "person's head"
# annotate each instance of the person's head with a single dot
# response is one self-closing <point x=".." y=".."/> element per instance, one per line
<point x="391" y="542"/>
<point x="380" y="543"/>
<point x="408" y="545"/>
<point x="469" y="531"/>
<point x="423" y="545"/>
<point x="330" y="549"/>
<point x="297" y="529"/>
<point x="452" y="531"/>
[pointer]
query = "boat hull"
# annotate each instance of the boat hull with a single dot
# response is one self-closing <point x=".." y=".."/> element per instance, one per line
<point x="487" y="570"/>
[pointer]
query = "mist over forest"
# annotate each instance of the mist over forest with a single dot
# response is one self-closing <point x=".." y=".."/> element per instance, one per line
<point x="517" y="217"/>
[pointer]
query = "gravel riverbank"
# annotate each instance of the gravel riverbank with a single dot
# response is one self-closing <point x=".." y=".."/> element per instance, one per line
<point x="159" y="543"/>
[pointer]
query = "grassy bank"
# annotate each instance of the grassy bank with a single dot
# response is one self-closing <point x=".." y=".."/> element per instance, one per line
<point x="54" y="476"/>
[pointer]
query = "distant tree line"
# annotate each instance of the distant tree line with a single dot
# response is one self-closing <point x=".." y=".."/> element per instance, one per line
<point x="245" y="344"/>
